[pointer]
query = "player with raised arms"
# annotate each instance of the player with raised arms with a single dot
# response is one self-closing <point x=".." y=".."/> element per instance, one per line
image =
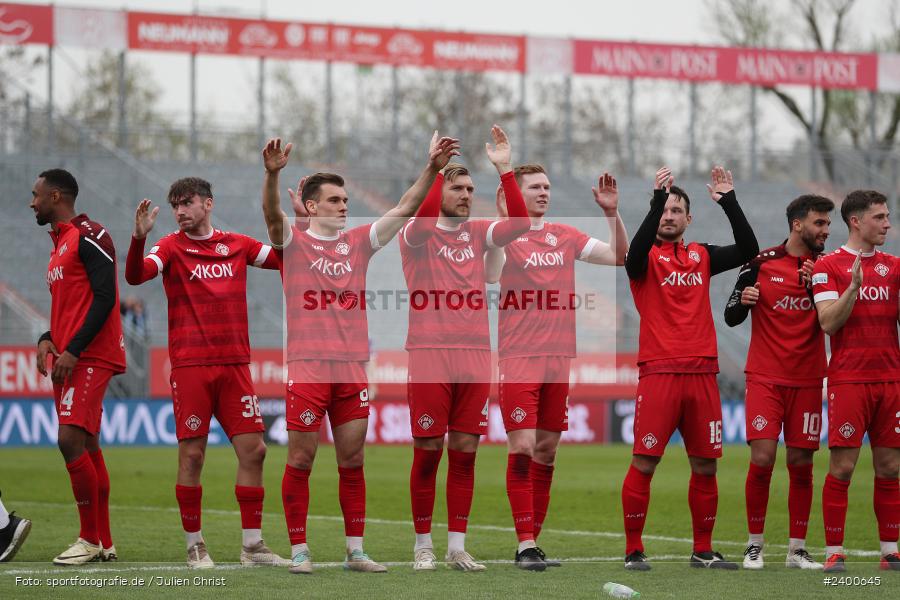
<point x="448" y="340"/>
<point x="323" y="268"/>
<point x="537" y="343"/>
<point x="678" y="357"/>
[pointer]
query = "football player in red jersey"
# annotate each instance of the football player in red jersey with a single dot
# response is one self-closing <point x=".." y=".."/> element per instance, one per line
<point x="785" y="366"/>
<point x="537" y="343"/>
<point x="678" y="358"/>
<point x="448" y="340"/>
<point x="204" y="273"/>
<point x="855" y="289"/>
<point x="85" y="340"/>
<point x="323" y="270"/>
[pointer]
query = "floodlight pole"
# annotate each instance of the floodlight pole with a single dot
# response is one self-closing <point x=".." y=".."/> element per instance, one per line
<point x="813" y="141"/>
<point x="567" y="115"/>
<point x="754" y="164"/>
<point x="261" y="105"/>
<point x="193" y="107"/>
<point x="51" y="129"/>
<point x="522" y="142"/>
<point x="122" y="102"/>
<point x="329" y="113"/>
<point x="395" y="129"/>
<point x="872" y="154"/>
<point x="692" y="130"/>
<point x="632" y="164"/>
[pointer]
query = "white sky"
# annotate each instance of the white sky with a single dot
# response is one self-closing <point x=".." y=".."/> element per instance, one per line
<point x="227" y="84"/>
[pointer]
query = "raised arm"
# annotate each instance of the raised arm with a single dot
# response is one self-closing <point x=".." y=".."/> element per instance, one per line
<point x="606" y="195"/>
<point x="725" y="258"/>
<point x="440" y="151"/>
<point x="139" y="268"/>
<point x="833" y="313"/>
<point x="422" y="227"/>
<point x="274" y="160"/>
<point x="500" y="155"/>
<point x="636" y="259"/>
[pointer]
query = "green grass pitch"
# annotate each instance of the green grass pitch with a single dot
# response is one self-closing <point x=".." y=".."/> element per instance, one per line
<point x="584" y="527"/>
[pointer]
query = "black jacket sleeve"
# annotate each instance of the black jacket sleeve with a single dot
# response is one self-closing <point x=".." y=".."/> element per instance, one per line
<point x="725" y="258"/>
<point x="735" y="312"/>
<point x="101" y="272"/>
<point x="639" y="249"/>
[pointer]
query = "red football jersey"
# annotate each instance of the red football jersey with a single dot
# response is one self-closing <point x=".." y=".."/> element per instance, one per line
<point x="787" y="346"/>
<point x="866" y="348"/>
<point x="446" y="282"/>
<point x="325" y="293"/>
<point x="71" y="293"/>
<point x="537" y="285"/>
<point x="672" y="297"/>
<point x="206" y="284"/>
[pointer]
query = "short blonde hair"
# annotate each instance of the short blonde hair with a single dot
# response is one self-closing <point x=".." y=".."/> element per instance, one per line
<point x="528" y="169"/>
<point x="454" y="170"/>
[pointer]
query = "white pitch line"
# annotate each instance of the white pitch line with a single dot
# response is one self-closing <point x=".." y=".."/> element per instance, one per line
<point x="78" y="572"/>
<point x="375" y="521"/>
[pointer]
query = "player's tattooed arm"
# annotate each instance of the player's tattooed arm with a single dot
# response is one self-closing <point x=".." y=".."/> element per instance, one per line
<point x="744" y="296"/>
<point x="440" y="151"/>
<point x="606" y="195"/>
<point x="275" y="158"/>
<point x="834" y="313"/>
<point x="642" y="242"/>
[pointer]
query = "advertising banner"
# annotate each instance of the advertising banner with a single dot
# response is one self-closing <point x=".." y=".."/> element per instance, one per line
<point x="26" y="24"/>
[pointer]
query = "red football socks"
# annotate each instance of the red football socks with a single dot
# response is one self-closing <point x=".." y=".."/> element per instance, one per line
<point x="800" y="495"/>
<point x="422" y="481"/>
<point x="84" y="487"/>
<point x="250" y="501"/>
<point x="887" y="508"/>
<point x="541" y="478"/>
<point x="834" y="509"/>
<point x="460" y="487"/>
<point x="352" y="496"/>
<point x="102" y="498"/>
<point x="703" y="499"/>
<point x="635" y="500"/>
<point x="518" y="490"/>
<point x="756" y="497"/>
<point x="189" y="500"/>
<point x="295" y="497"/>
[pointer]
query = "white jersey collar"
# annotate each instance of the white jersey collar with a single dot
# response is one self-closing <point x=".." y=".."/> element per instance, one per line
<point x="849" y="250"/>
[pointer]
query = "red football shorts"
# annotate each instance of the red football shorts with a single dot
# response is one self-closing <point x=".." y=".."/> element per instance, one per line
<point x="857" y="408"/>
<point x="769" y="407"/>
<point x="315" y="387"/>
<point x="687" y="402"/>
<point x="448" y="389"/>
<point x="223" y="391"/>
<point x="533" y="392"/>
<point x="79" y="400"/>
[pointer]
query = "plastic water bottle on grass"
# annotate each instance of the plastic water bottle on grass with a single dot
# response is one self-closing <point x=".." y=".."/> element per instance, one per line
<point x="617" y="590"/>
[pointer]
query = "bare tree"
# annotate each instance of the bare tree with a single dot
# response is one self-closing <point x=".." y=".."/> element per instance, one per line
<point x="824" y="25"/>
